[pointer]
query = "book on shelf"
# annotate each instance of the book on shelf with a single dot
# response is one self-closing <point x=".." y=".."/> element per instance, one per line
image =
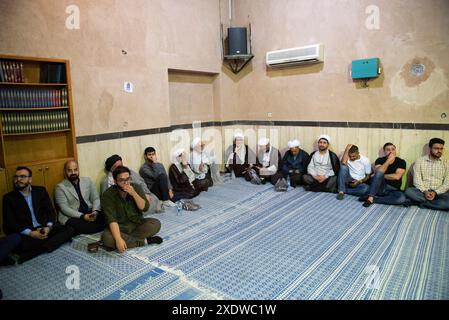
<point x="34" y="122"/>
<point x="53" y="73"/>
<point x="12" y="71"/>
<point x="2" y="74"/>
<point x="32" y="98"/>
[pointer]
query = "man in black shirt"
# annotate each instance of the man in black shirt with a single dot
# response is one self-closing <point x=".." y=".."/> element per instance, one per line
<point x="387" y="179"/>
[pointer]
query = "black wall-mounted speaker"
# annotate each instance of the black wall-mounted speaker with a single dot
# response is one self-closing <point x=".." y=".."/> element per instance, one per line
<point x="237" y="41"/>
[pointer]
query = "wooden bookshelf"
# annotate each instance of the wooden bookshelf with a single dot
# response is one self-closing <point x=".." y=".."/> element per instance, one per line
<point x="36" y="119"/>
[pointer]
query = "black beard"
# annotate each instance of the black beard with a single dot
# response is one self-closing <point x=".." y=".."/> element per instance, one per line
<point x="436" y="156"/>
<point x="73" y="177"/>
<point x="20" y="188"/>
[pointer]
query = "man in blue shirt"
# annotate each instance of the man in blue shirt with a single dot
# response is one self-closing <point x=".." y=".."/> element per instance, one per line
<point x="28" y="211"/>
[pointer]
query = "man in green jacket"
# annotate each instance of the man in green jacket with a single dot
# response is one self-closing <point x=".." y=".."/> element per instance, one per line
<point x="123" y="205"/>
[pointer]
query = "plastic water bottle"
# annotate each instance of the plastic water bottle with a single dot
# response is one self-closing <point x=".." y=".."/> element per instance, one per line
<point x="179" y="208"/>
<point x="288" y="182"/>
<point x="232" y="175"/>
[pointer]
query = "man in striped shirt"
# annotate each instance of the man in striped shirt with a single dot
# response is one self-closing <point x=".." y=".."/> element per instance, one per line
<point x="431" y="179"/>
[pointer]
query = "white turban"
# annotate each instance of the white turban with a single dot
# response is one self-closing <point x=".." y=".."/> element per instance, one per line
<point x="178" y="152"/>
<point x="195" y="142"/>
<point x="293" y="143"/>
<point x="264" y="141"/>
<point x="238" y="135"/>
<point x="325" y="137"/>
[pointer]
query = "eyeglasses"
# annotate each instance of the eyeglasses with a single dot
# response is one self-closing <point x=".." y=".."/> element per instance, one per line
<point x="124" y="180"/>
<point x="20" y="177"/>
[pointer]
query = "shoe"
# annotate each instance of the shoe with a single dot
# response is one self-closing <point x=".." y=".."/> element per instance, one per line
<point x="168" y="203"/>
<point x="367" y="203"/>
<point x="8" y="261"/>
<point x="154" y="240"/>
<point x="26" y="256"/>
<point x="94" y="246"/>
<point x="195" y="205"/>
<point x="407" y="203"/>
<point x="190" y="206"/>
<point x="362" y="198"/>
<point x="340" y="196"/>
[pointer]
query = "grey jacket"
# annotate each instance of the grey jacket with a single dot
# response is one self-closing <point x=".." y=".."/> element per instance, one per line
<point x="68" y="202"/>
<point x="151" y="171"/>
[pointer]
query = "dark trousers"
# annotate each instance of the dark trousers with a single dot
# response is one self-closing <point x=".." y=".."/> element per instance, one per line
<point x="383" y="193"/>
<point x="295" y="178"/>
<point x="184" y="195"/>
<point x="160" y="187"/>
<point x="328" y="185"/>
<point x="239" y="169"/>
<point x="441" y="201"/>
<point x="134" y="235"/>
<point x="202" y="185"/>
<point x="8" y="244"/>
<point x="81" y="226"/>
<point x="30" y="247"/>
<point x="273" y="178"/>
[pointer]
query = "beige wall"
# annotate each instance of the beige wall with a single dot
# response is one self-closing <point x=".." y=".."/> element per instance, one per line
<point x="185" y="35"/>
<point x="191" y="97"/>
<point x="159" y="35"/>
<point x="410" y="143"/>
<point x="410" y="30"/>
<point x="91" y="156"/>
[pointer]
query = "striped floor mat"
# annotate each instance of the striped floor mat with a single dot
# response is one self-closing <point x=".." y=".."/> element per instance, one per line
<point x="250" y="242"/>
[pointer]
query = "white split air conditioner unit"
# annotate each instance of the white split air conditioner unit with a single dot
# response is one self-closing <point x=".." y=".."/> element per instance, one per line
<point x="294" y="56"/>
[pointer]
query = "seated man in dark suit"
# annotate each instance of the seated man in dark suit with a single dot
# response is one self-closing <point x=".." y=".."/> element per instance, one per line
<point x="28" y="210"/>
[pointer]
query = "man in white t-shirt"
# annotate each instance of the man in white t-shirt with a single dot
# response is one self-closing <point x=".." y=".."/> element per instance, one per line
<point x="355" y="170"/>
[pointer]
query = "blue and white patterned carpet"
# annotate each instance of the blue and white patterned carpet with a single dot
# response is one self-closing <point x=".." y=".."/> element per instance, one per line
<point x="250" y="242"/>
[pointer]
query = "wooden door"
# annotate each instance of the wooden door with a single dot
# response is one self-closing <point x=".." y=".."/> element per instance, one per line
<point x="53" y="174"/>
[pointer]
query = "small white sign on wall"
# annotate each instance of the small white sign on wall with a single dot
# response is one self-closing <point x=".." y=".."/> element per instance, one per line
<point x="128" y="86"/>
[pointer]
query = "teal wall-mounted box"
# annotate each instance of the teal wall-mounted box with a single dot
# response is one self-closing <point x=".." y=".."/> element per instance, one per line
<point x="365" y="68"/>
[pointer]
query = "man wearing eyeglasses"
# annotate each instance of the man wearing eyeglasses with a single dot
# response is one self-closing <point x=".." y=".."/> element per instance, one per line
<point x="123" y="205"/>
<point x="28" y="211"/>
<point x="431" y="179"/>
<point x="115" y="161"/>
